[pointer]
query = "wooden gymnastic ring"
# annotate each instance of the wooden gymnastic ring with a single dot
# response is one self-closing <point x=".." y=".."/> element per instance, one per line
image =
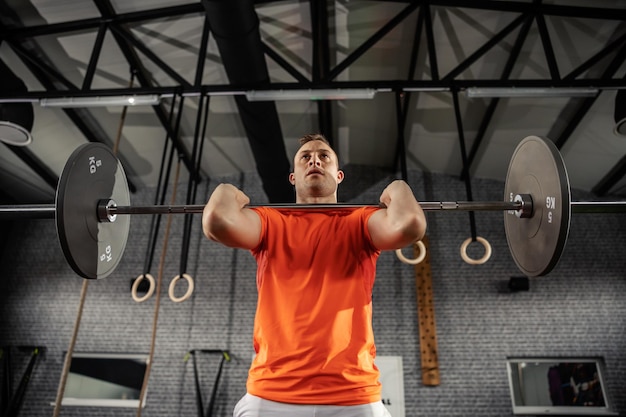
<point x="189" y="288"/>
<point x="150" y="291"/>
<point x="479" y="261"/>
<point x="414" y="261"/>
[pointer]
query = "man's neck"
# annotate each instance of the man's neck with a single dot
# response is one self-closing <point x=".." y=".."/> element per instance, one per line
<point x="331" y="199"/>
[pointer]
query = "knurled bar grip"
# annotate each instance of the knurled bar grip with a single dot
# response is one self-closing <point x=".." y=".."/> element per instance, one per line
<point x="426" y="205"/>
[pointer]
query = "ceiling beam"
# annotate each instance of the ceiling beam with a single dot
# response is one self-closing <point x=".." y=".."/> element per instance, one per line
<point x="127" y="35"/>
<point x="403" y="99"/>
<point x="37" y="165"/>
<point x="321" y="65"/>
<point x="603" y="187"/>
<point x="56" y="79"/>
<point x="368" y="43"/>
<point x="95" y="22"/>
<point x="239" y="89"/>
<point x="590" y="12"/>
<point x="204" y="42"/>
<point x="430" y="42"/>
<point x="47" y="77"/>
<point x="544" y="35"/>
<point x="297" y="75"/>
<point x="108" y="12"/>
<point x="323" y="74"/>
<point x="95" y="55"/>
<point x="493" y="103"/>
<point x="586" y="104"/>
<point x="235" y="28"/>
<point x="596" y="58"/>
<point x="81" y="118"/>
<point x="480" y="52"/>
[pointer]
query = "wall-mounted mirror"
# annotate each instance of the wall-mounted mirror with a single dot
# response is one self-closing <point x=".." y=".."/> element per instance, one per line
<point x="558" y="386"/>
<point x="105" y="380"/>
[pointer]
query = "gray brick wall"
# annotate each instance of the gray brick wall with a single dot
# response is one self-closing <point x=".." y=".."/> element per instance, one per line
<point x="579" y="309"/>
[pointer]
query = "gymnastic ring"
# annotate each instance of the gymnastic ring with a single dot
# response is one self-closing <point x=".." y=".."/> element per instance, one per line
<point x="189" y="288"/>
<point x="150" y="291"/>
<point x="417" y="260"/>
<point x="479" y="261"/>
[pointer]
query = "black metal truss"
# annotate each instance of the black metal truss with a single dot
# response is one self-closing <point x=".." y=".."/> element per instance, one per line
<point x="321" y="64"/>
<point x="124" y="40"/>
<point x="324" y="74"/>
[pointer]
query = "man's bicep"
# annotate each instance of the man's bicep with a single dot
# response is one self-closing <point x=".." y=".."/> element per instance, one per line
<point x="243" y="232"/>
<point x="250" y="231"/>
<point x="385" y="234"/>
<point x="381" y="235"/>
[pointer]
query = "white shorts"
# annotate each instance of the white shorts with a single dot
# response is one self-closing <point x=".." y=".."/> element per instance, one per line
<point x="253" y="406"/>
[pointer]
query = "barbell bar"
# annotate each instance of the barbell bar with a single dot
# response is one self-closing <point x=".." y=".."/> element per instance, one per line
<point x="108" y="210"/>
<point x="92" y="205"/>
<point x="112" y="210"/>
<point x="48" y="211"/>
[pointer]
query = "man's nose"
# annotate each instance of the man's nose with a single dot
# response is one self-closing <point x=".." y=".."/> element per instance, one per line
<point x="315" y="161"/>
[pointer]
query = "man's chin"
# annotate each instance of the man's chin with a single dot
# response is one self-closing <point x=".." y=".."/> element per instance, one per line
<point x="320" y="190"/>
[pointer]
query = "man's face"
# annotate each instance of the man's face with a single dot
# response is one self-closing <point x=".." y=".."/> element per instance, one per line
<point x="315" y="171"/>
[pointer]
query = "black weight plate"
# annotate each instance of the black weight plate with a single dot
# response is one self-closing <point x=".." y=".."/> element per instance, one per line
<point x="537" y="243"/>
<point x="92" y="248"/>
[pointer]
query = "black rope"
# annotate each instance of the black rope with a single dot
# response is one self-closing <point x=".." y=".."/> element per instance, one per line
<point x="5" y="392"/>
<point x="15" y="404"/>
<point x="225" y="358"/>
<point x="192" y="188"/>
<point x="209" y="411"/>
<point x="400" y="121"/>
<point x="162" y="183"/>
<point x="196" y="377"/>
<point x="468" y="183"/>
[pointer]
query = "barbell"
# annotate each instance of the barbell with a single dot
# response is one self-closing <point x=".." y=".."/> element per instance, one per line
<point x="92" y="205"/>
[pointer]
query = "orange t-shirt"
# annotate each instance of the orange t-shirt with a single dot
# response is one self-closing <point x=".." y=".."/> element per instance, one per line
<point x="313" y="334"/>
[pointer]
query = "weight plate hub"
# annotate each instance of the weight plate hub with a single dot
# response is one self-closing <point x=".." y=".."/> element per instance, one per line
<point x="537" y="243"/>
<point x="92" y="173"/>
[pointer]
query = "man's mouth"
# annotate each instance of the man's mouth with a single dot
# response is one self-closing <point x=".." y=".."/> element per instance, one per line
<point x="314" y="171"/>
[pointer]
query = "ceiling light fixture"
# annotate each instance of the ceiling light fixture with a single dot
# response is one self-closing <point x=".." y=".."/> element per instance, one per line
<point x="492" y="92"/>
<point x="426" y="89"/>
<point x="226" y="93"/>
<point x="311" y="94"/>
<point x="101" y="101"/>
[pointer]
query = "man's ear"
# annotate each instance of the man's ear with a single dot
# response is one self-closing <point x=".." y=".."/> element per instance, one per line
<point x="292" y="179"/>
<point x="340" y="176"/>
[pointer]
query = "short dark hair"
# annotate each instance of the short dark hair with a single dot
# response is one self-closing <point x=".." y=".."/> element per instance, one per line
<point x="318" y="136"/>
<point x="313" y="136"/>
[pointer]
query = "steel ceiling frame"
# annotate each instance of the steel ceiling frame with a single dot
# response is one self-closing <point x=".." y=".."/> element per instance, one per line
<point x="21" y="40"/>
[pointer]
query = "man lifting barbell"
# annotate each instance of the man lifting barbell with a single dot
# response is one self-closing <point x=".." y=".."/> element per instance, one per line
<point x="93" y="193"/>
<point x="313" y="333"/>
